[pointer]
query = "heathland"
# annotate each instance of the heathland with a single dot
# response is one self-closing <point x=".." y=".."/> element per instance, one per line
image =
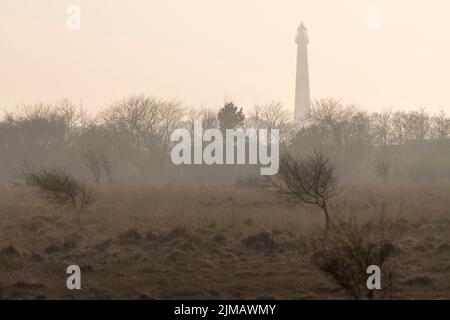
<point x="215" y="242"/>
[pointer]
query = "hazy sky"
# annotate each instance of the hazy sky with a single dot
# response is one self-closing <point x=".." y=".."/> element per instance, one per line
<point x="203" y="50"/>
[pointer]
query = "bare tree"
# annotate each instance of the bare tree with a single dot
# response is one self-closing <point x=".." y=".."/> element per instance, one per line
<point x="98" y="162"/>
<point x="94" y="164"/>
<point x="145" y="122"/>
<point x="381" y="127"/>
<point x="105" y="162"/>
<point x="170" y="112"/>
<point x="206" y="115"/>
<point x="272" y="116"/>
<point x="41" y="126"/>
<point x="358" y="130"/>
<point x="209" y="118"/>
<point x="64" y="118"/>
<point x="396" y="125"/>
<point x="311" y="180"/>
<point x="441" y="126"/>
<point x="341" y="125"/>
<point x="75" y="118"/>
<point x="142" y="126"/>
<point x="416" y="125"/>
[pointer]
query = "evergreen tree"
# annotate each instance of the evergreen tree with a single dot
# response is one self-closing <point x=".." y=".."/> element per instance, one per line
<point x="230" y="117"/>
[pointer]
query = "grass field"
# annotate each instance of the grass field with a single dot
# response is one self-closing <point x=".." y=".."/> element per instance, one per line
<point x="215" y="242"/>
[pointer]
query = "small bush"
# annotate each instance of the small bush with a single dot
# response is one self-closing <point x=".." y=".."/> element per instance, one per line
<point x="345" y="252"/>
<point x="131" y="234"/>
<point x="262" y="241"/>
<point x="57" y="186"/>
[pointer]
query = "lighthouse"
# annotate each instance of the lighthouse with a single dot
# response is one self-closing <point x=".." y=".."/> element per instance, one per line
<point x="302" y="94"/>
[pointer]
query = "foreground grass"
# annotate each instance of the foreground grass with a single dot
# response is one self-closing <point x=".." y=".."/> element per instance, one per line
<point x="209" y="242"/>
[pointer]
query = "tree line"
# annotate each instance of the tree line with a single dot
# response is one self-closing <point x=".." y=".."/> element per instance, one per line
<point x="129" y="140"/>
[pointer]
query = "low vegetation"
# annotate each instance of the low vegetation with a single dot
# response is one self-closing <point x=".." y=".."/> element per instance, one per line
<point x="224" y="243"/>
<point x="207" y="240"/>
<point x="348" y="249"/>
<point x="58" y="186"/>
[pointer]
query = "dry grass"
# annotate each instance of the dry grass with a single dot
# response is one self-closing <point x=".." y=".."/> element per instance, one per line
<point x="210" y="242"/>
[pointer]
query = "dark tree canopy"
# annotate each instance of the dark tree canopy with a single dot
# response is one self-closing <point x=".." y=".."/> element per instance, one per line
<point x="230" y="117"/>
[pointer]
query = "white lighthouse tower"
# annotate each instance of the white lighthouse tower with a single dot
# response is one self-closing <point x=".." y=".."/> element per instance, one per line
<point x="302" y="94"/>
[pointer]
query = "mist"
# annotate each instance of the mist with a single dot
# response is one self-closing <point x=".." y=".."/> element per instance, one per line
<point x="203" y="51"/>
<point x="151" y="150"/>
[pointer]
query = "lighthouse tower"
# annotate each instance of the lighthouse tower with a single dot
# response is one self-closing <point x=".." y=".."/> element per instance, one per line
<point x="302" y="94"/>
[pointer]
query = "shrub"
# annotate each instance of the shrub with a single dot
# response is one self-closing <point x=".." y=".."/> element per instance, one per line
<point x="59" y="187"/>
<point x="348" y="249"/>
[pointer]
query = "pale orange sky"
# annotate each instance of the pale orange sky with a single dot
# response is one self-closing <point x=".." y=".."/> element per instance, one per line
<point x="203" y="50"/>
